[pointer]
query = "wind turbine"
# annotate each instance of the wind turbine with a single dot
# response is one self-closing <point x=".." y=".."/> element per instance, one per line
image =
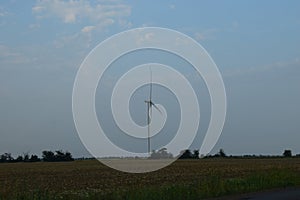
<point x="149" y="110"/>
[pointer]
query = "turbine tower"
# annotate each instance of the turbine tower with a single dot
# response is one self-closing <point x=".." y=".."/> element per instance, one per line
<point x="149" y="110"/>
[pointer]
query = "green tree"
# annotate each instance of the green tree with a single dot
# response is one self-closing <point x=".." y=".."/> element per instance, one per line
<point x="6" y="157"/>
<point x="186" y="154"/>
<point x="34" y="158"/>
<point x="48" y="156"/>
<point x="19" y="159"/>
<point x="196" y="154"/>
<point x="222" y="153"/>
<point x="68" y="156"/>
<point x="26" y="157"/>
<point x="161" y="154"/>
<point x="287" y="153"/>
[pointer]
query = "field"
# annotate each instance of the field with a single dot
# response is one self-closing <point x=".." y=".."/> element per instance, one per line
<point x="184" y="179"/>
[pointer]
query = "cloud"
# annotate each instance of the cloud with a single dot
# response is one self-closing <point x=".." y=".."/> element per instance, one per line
<point x="3" y="15"/>
<point x="74" y="11"/>
<point x="208" y="34"/>
<point x="34" y="26"/>
<point x="11" y="56"/>
<point x="3" y="12"/>
<point x="5" y="51"/>
<point x="172" y="6"/>
<point x="124" y="23"/>
<point x="87" y="29"/>
<point x="37" y="8"/>
<point x="90" y="16"/>
<point x="295" y="63"/>
<point x="199" y="36"/>
<point x="142" y="38"/>
<point x="82" y="38"/>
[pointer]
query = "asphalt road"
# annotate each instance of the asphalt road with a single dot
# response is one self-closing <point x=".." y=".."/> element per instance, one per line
<point x="278" y="194"/>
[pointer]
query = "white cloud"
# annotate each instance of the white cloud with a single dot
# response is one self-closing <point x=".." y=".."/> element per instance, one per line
<point x="92" y="16"/>
<point x="3" y="12"/>
<point x="34" y="26"/>
<point x="11" y="56"/>
<point x="141" y="38"/>
<point x="87" y="29"/>
<point x="37" y="8"/>
<point x="5" y="51"/>
<point x="172" y="6"/>
<point x="208" y="34"/>
<point x="125" y="24"/>
<point x="199" y="36"/>
<point x="73" y="11"/>
<point x="3" y="15"/>
<point x="262" y="68"/>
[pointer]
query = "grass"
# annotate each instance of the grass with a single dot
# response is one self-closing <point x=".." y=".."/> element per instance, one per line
<point x="184" y="179"/>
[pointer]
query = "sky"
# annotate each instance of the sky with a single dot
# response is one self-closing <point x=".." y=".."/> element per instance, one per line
<point x="255" y="45"/>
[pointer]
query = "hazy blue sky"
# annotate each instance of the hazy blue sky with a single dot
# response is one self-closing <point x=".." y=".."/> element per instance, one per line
<point x="255" y="44"/>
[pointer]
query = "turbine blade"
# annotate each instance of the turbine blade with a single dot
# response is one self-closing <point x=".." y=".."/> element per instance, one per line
<point x="150" y="111"/>
<point x="148" y="115"/>
<point x="155" y="106"/>
<point x="150" y="96"/>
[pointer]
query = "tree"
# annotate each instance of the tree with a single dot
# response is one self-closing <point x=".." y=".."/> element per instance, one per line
<point x="68" y="156"/>
<point x="58" y="156"/>
<point x="48" y="156"/>
<point x="186" y="154"/>
<point x="19" y="159"/>
<point x="161" y="154"/>
<point x="196" y="153"/>
<point x="287" y="153"/>
<point x="26" y="157"/>
<point x="6" y="157"/>
<point x="34" y="158"/>
<point x="222" y="153"/>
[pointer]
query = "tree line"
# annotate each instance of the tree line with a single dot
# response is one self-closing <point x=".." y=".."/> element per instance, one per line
<point x="286" y="154"/>
<point x="188" y="154"/>
<point x="47" y="156"/>
<point x="60" y="156"/>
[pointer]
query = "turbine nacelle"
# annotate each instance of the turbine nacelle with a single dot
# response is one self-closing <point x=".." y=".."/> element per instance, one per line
<point x="150" y="103"/>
